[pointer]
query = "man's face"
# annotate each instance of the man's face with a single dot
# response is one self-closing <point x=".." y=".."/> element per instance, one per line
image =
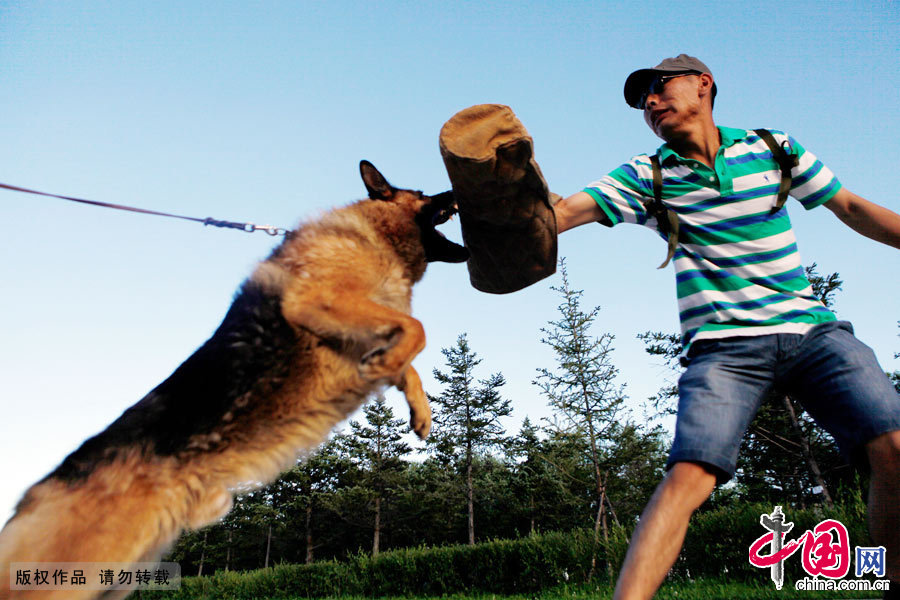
<point x="670" y="111"/>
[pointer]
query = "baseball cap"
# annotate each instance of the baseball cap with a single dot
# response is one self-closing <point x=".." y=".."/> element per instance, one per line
<point x="638" y="81"/>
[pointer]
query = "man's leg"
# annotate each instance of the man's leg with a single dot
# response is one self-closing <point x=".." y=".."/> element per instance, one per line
<point x="884" y="500"/>
<point x="719" y="393"/>
<point x="660" y="533"/>
<point x="843" y="387"/>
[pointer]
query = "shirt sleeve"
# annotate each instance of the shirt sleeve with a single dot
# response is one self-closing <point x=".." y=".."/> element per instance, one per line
<point x="813" y="183"/>
<point x="621" y="194"/>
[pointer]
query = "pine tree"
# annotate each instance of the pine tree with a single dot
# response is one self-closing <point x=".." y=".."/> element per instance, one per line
<point x="531" y="471"/>
<point x="300" y="492"/>
<point x="379" y="448"/>
<point x="582" y="390"/>
<point x="466" y="417"/>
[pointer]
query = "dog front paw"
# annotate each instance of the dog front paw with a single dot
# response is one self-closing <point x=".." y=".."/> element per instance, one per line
<point x="420" y="424"/>
<point x="419" y="409"/>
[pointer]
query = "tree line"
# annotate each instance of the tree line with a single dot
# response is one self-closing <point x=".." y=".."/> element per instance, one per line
<point x="589" y="465"/>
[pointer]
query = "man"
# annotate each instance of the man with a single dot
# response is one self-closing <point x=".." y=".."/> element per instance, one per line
<point x="749" y="319"/>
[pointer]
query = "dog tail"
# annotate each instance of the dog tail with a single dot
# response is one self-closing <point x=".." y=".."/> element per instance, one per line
<point x="127" y="510"/>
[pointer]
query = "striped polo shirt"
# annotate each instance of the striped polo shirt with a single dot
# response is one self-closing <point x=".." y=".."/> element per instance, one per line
<point x="737" y="268"/>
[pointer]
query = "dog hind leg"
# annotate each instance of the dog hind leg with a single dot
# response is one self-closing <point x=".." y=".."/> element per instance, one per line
<point x="96" y="521"/>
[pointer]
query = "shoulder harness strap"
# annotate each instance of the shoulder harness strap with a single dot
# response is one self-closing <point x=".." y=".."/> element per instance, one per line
<point x="666" y="220"/>
<point x="786" y="160"/>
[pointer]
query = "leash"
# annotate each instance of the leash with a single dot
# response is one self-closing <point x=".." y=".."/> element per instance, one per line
<point x="246" y="227"/>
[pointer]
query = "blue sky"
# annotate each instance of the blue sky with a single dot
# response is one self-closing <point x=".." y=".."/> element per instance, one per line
<point x="261" y="111"/>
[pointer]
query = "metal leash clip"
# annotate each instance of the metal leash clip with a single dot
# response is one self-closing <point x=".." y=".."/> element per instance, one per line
<point x="245" y="227"/>
<point x="270" y="229"/>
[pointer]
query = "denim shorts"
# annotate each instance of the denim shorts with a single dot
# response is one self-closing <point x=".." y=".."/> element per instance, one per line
<point x="835" y="376"/>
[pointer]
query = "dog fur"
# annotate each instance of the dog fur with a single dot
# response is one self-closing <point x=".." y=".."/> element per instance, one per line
<point x="319" y="326"/>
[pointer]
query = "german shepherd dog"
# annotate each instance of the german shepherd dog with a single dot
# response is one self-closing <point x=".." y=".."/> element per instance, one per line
<point x="319" y="326"/>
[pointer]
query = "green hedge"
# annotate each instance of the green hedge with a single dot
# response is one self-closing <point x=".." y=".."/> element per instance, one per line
<point x="500" y="567"/>
<point x="716" y="547"/>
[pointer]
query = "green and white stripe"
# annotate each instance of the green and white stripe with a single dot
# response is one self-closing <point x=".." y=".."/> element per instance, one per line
<point x="737" y="268"/>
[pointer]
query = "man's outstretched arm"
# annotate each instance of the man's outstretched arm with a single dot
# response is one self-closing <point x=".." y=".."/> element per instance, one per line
<point x="577" y="209"/>
<point x="867" y="218"/>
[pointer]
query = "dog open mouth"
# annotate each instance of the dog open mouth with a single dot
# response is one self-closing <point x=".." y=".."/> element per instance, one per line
<point x="437" y="246"/>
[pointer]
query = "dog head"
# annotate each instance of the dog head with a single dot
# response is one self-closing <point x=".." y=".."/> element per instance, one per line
<point x="430" y="211"/>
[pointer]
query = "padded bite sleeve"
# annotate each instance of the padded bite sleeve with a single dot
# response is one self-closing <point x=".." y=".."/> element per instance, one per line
<point x="505" y="207"/>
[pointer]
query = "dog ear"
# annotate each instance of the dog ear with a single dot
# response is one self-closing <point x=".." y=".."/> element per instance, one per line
<point x="376" y="184"/>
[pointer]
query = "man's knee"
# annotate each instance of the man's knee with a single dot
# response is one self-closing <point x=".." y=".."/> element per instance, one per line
<point x="689" y="484"/>
<point x="884" y="453"/>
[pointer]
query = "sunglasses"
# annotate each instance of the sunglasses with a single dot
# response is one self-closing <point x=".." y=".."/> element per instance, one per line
<point x="656" y="86"/>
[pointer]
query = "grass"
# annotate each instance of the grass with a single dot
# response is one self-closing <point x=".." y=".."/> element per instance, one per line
<point x="694" y="590"/>
<point x="697" y="590"/>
